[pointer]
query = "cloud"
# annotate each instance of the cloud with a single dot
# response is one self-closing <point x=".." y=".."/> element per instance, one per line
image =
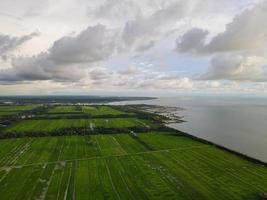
<point x="39" y="67"/>
<point x="245" y="32"/>
<point x="102" y="56"/>
<point x="66" y="60"/>
<point x="192" y="41"/>
<point x="144" y="31"/>
<point x="239" y="53"/>
<point x="9" y="43"/>
<point x="169" y="17"/>
<point x="130" y="70"/>
<point x="91" y="45"/>
<point x="99" y="73"/>
<point x="114" y="10"/>
<point x="236" y="67"/>
<point x="166" y="83"/>
<point x="135" y="78"/>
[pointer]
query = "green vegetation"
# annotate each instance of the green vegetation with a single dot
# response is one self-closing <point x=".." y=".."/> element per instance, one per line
<point x="121" y="166"/>
<point x="64" y="109"/>
<point x="101" y="110"/>
<point x="16" y="108"/>
<point x="48" y="125"/>
<point x="12" y="110"/>
<point x="146" y="164"/>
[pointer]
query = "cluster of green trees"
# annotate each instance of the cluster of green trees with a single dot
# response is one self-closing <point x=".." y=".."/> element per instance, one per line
<point x="81" y="131"/>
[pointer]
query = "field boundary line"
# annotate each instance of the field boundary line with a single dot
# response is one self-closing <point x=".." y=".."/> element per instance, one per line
<point x="111" y="181"/>
<point x="119" y="144"/>
<point x="44" y="192"/>
<point x="68" y="184"/>
<point x="103" y="157"/>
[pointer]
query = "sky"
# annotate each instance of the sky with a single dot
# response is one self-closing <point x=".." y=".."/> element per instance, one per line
<point x="133" y="47"/>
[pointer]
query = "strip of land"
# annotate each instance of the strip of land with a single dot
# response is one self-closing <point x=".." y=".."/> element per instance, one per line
<point x="136" y="157"/>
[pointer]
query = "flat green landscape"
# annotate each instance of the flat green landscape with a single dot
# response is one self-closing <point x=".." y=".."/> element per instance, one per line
<point x="47" y="125"/>
<point x="101" y="110"/>
<point x="147" y="164"/>
<point x="7" y="110"/>
<point x="64" y="109"/>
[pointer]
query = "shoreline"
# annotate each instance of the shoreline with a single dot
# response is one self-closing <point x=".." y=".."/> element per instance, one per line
<point x="246" y="157"/>
<point x="180" y="119"/>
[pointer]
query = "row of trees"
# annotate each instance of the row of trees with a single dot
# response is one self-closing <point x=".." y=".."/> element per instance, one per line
<point x="81" y="131"/>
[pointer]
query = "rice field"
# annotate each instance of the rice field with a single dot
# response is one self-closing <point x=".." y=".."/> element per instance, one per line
<point x="101" y="110"/>
<point x="64" y="109"/>
<point x="6" y="110"/>
<point x="122" y="166"/>
<point x="15" y="108"/>
<point x="50" y="125"/>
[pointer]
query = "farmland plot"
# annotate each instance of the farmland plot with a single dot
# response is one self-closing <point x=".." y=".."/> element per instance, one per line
<point x="18" y="108"/>
<point x="101" y="110"/>
<point x="26" y="151"/>
<point x="64" y="109"/>
<point x="157" y="175"/>
<point x="13" y="110"/>
<point x="132" y="165"/>
<point x="50" y="125"/>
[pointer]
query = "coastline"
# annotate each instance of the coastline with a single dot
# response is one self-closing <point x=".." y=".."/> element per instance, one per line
<point x="174" y="118"/>
<point x="244" y="156"/>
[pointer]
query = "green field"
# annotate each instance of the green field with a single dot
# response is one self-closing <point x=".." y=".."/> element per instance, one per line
<point x="64" y="109"/>
<point x="50" y="125"/>
<point x="12" y="110"/>
<point x="101" y="110"/>
<point x="16" y="108"/>
<point x="121" y="166"/>
<point x="123" y="163"/>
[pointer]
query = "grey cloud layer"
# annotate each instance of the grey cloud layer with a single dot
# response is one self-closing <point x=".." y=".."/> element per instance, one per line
<point x="66" y="59"/>
<point x="69" y="57"/>
<point x="9" y="43"/>
<point x="75" y="58"/>
<point x="91" y="45"/>
<point x="236" y="67"/>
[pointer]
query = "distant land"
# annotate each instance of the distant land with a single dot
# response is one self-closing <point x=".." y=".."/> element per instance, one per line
<point x="66" y="99"/>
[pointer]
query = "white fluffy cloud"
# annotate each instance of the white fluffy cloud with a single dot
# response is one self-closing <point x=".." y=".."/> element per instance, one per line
<point x="91" y="45"/>
<point x="66" y="60"/>
<point x="130" y="30"/>
<point x="246" y="32"/>
<point x="240" y="51"/>
<point x="135" y="78"/>
<point x="144" y="31"/>
<point x="236" y="67"/>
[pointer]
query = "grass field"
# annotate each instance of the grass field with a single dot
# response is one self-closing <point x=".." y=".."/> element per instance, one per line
<point x="12" y="110"/>
<point x="121" y="166"/>
<point x="49" y="125"/>
<point x="101" y="110"/>
<point x="64" y="109"/>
